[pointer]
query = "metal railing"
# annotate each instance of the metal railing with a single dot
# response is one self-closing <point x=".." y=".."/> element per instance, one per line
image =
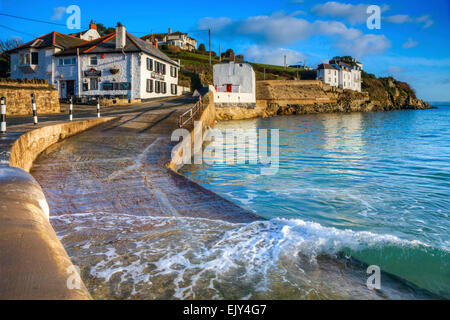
<point x="190" y="115"/>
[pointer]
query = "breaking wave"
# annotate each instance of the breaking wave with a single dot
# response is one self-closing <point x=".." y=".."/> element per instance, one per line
<point x="183" y="258"/>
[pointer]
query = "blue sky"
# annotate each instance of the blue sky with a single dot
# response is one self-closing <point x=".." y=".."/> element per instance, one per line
<point x="412" y="45"/>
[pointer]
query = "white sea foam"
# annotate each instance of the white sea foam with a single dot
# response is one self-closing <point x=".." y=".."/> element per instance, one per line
<point x="201" y="253"/>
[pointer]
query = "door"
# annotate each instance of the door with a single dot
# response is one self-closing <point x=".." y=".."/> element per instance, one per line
<point x="229" y="88"/>
<point x="70" y="88"/>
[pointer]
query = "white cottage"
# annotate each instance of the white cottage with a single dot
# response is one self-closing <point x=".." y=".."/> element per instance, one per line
<point x="88" y="35"/>
<point x="117" y="65"/>
<point x="234" y="83"/>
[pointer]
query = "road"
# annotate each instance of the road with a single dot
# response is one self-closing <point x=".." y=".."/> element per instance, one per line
<point x="84" y="111"/>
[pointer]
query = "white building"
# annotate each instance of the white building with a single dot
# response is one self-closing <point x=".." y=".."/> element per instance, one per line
<point x="34" y="59"/>
<point x="329" y="74"/>
<point x="341" y="74"/>
<point x="88" y="35"/>
<point x="178" y="39"/>
<point x="234" y="83"/>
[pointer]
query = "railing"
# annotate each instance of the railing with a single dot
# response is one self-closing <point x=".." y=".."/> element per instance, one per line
<point x="189" y="116"/>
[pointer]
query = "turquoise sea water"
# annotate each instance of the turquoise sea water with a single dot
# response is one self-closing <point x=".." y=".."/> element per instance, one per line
<point x="374" y="185"/>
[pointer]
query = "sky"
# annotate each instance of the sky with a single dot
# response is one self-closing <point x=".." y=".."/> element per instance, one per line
<point x="412" y="43"/>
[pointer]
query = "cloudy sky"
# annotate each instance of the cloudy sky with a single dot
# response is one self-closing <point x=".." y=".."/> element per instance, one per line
<point x="412" y="44"/>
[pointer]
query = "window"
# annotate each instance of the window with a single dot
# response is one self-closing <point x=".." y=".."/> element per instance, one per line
<point x="85" y="87"/>
<point x="173" y="89"/>
<point x="163" y="87"/>
<point x="149" y="64"/>
<point x="149" y="85"/>
<point x="35" y="58"/>
<point x="173" y="71"/>
<point x="93" y="60"/>
<point x="93" y="83"/>
<point x="67" y="61"/>
<point x="157" y="86"/>
<point x="116" y="86"/>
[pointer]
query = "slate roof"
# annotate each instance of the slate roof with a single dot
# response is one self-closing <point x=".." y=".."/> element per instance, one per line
<point x="327" y="66"/>
<point x="52" y="39"/>
<point x="107" y="44"/>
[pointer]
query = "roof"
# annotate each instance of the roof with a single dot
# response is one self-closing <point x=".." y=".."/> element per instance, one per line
<point x="162" y="35"/>
<point x="326" y="66"/>
<point x="107" y="44"/>
<point x="52" y="39"/>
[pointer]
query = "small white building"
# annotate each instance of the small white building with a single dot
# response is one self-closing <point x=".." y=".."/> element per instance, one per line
<point x="119" y="65"/>
<point x="88" y="35"/>
<point x="329" y="74"/>
<point x="234" y="83"/>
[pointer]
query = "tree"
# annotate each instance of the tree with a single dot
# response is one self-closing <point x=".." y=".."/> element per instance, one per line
<point x="202" y="47"/>
<point x="5" y="59"/>
<point x="103" y="31"/>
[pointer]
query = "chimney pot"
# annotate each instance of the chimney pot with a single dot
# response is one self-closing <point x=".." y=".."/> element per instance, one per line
<point x="121" y="36"/>
<point x="92" y="25"/>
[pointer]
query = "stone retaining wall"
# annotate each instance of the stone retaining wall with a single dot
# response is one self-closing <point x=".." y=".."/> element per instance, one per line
<point x="18" y="97"/>
<point x="33" y="263"/>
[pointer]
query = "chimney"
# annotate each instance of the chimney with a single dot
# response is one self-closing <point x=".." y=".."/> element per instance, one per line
<point x="170" y="30"/>
<point x="92" y="25"/>
<point x="121" y="36"/>
<point x="155" y="42"/>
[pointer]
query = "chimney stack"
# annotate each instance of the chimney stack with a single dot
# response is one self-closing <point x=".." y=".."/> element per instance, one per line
<point x="170" y="30"/>
<point x="92" y="25"/>
<point x="121" y="36"/>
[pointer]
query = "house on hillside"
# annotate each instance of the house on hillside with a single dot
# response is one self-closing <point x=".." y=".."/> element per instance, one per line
<point x="341" y="73"/>
<point x="329" y="74"/>
<point x="34" y="59"/>
<point x="88" y="35"/>
<point x="118" y="65"/>
<point x="234" y="83"/>
<point x="178" y="39"/>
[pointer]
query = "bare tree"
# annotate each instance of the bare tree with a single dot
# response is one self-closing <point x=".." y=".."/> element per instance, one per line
<point x="6" y="45"/>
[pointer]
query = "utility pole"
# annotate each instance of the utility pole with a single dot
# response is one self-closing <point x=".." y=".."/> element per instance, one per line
<point x="264" y="73"/>
<point x="285" y="64"/>
<point x="220" y="53"/>
<point x="209" y="33"/>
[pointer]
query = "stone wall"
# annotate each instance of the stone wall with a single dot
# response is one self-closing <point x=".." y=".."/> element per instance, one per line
<point x="18" y="97"/>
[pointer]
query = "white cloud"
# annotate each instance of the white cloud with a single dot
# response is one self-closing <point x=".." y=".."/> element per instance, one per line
<point x="355" y="14"/>
<point x="280" y="30"/>
<point x="404" y="18"/>
<point x="395" y="70"/>
<point x="274" y="56"/>
<point x="58" y="13"/>
<point x="410" y="44"/>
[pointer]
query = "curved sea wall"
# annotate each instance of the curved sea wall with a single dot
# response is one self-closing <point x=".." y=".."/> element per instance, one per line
<point x="33" y="262"/>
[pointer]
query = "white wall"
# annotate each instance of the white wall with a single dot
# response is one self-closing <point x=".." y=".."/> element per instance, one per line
<point x="42" y="71"/>
<point x="146" y="74"/>
<point x="239" y="75"/>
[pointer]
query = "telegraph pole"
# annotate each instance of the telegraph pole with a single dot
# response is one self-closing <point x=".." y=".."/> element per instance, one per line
<point x="209" y="34"/>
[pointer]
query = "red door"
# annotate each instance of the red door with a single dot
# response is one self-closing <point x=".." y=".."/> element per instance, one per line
<point x="229" y="88"/>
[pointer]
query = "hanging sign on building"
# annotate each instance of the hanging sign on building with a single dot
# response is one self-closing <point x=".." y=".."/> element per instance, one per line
<point x="93" y="73"/>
